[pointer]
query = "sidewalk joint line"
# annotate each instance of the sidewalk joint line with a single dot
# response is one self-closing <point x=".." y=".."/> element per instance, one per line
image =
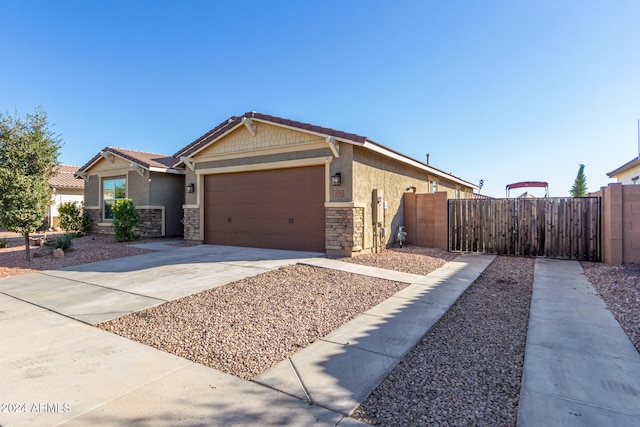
<point x="101" y="286"/>
<point x="306" y="392"/>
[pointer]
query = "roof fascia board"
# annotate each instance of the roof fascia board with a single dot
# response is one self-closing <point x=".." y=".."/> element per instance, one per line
<point x="367" y="144"/>
<point x="92" y="164"/>
<point x="222" y="135"/>
<point x="167" y="170"/>
<point x="311" y="161"/>
<point x="137" y="167"/>
<point x="113" y="154"/>
<point x="407" y="160"/>
<point x="292" y="148"/>
<point x="624" y="167"/>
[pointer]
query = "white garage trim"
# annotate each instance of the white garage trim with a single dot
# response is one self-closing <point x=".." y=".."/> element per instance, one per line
<point x="315" y="144"/>
<point x="285" y="164"/>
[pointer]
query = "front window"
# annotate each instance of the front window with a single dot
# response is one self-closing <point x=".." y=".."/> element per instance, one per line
<point x="113" y="189"/>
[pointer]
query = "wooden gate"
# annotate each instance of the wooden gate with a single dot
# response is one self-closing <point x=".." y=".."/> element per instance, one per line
<point x="567" y="228"/>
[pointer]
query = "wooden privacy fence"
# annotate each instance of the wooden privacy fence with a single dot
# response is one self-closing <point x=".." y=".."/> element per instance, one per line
<point x="567" y="228"/>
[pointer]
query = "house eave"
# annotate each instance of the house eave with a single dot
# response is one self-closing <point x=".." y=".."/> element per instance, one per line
<point x="374" y="146"/>
<point x="175" y="171"/>
<point x="624" y="168"/>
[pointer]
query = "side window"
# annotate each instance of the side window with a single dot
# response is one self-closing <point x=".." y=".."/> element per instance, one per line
<point x="434" y="187"/>
<point x="112" y="189"/>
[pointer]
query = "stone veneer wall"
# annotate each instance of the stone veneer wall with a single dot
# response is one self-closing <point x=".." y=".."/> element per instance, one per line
<point x="191" y="223"/>
<point x="149" y="223"/>
<point x="96" y="219"/>
<point x="344" y="230"/>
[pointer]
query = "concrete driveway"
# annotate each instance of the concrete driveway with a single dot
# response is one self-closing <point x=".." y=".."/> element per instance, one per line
<point x="97" y="292"/>
<point x="57" y="369"/>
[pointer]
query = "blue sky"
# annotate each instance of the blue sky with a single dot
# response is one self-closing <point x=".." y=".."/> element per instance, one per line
<point x="503" y="91"/>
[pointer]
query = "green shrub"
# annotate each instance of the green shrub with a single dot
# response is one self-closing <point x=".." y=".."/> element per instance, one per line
<point x="125" y="218"/>
<point x="3" y="243"/>
<point x="73" y="219"/>
<point x="64" y="242"/>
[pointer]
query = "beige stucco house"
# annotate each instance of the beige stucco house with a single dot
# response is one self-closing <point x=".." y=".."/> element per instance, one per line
<point x="66" y="188"/>
<point x="629" y="173"/>
<point x="264" y="181"/>
<point x="150" y="180"/>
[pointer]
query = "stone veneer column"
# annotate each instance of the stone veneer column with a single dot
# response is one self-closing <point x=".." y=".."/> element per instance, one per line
<point x="149" y="223"/>
<point x="344" y="230"/>
<point x="191" y="224"/>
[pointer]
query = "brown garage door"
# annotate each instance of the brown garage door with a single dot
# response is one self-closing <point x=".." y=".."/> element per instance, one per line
<point x="281" y="209"/>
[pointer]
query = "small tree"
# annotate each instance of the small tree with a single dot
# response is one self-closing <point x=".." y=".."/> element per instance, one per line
<point x="73" y="219"/>
<point x="28" y="158"/>
<point x="125" y="218"/>
<point x="579" y="188"/>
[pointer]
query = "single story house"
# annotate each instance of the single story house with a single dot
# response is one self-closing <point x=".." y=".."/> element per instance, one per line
<point x="629" y="173"/>
<point x="150" y="180"/>
<point x="264" y="181"/>
<point x="66" y="188"/>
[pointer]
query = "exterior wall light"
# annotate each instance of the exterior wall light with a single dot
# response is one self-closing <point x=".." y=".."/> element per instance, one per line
<point x="336" y="179"/>
<point x="190" y="188"/>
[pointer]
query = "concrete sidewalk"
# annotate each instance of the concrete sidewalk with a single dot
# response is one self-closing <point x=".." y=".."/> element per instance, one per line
<point x="340" y="370"/>
<point x="580" y="368"/>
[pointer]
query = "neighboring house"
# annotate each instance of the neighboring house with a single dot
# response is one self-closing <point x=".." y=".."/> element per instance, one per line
<point x="66" y="188"/>
<point x="150" y="180"/>
<point x="527" y="195"/>
<point x="629" y="173"/>
<point x="263" y="181"/>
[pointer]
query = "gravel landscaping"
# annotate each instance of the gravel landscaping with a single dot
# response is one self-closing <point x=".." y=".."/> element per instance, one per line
<point x="619" y="287"/>
<point x="408" y="259"/>
<point x="248" y="326"/>
<point x="85" y="249"/>
<point x="467" y="369"/>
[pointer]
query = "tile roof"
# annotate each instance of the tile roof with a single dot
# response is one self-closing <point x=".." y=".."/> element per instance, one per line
<point x="234" y="121"/>
<point x="477" y="196"/>
<point x="65" y="178"/>
<point x="142" y="158"/>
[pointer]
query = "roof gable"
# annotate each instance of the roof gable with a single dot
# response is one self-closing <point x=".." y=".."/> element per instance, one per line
<point x="247" y="119"/>
<point x="150" y="161"/>
<point x="267" y="136"/>
<point x="236" y="121"/>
